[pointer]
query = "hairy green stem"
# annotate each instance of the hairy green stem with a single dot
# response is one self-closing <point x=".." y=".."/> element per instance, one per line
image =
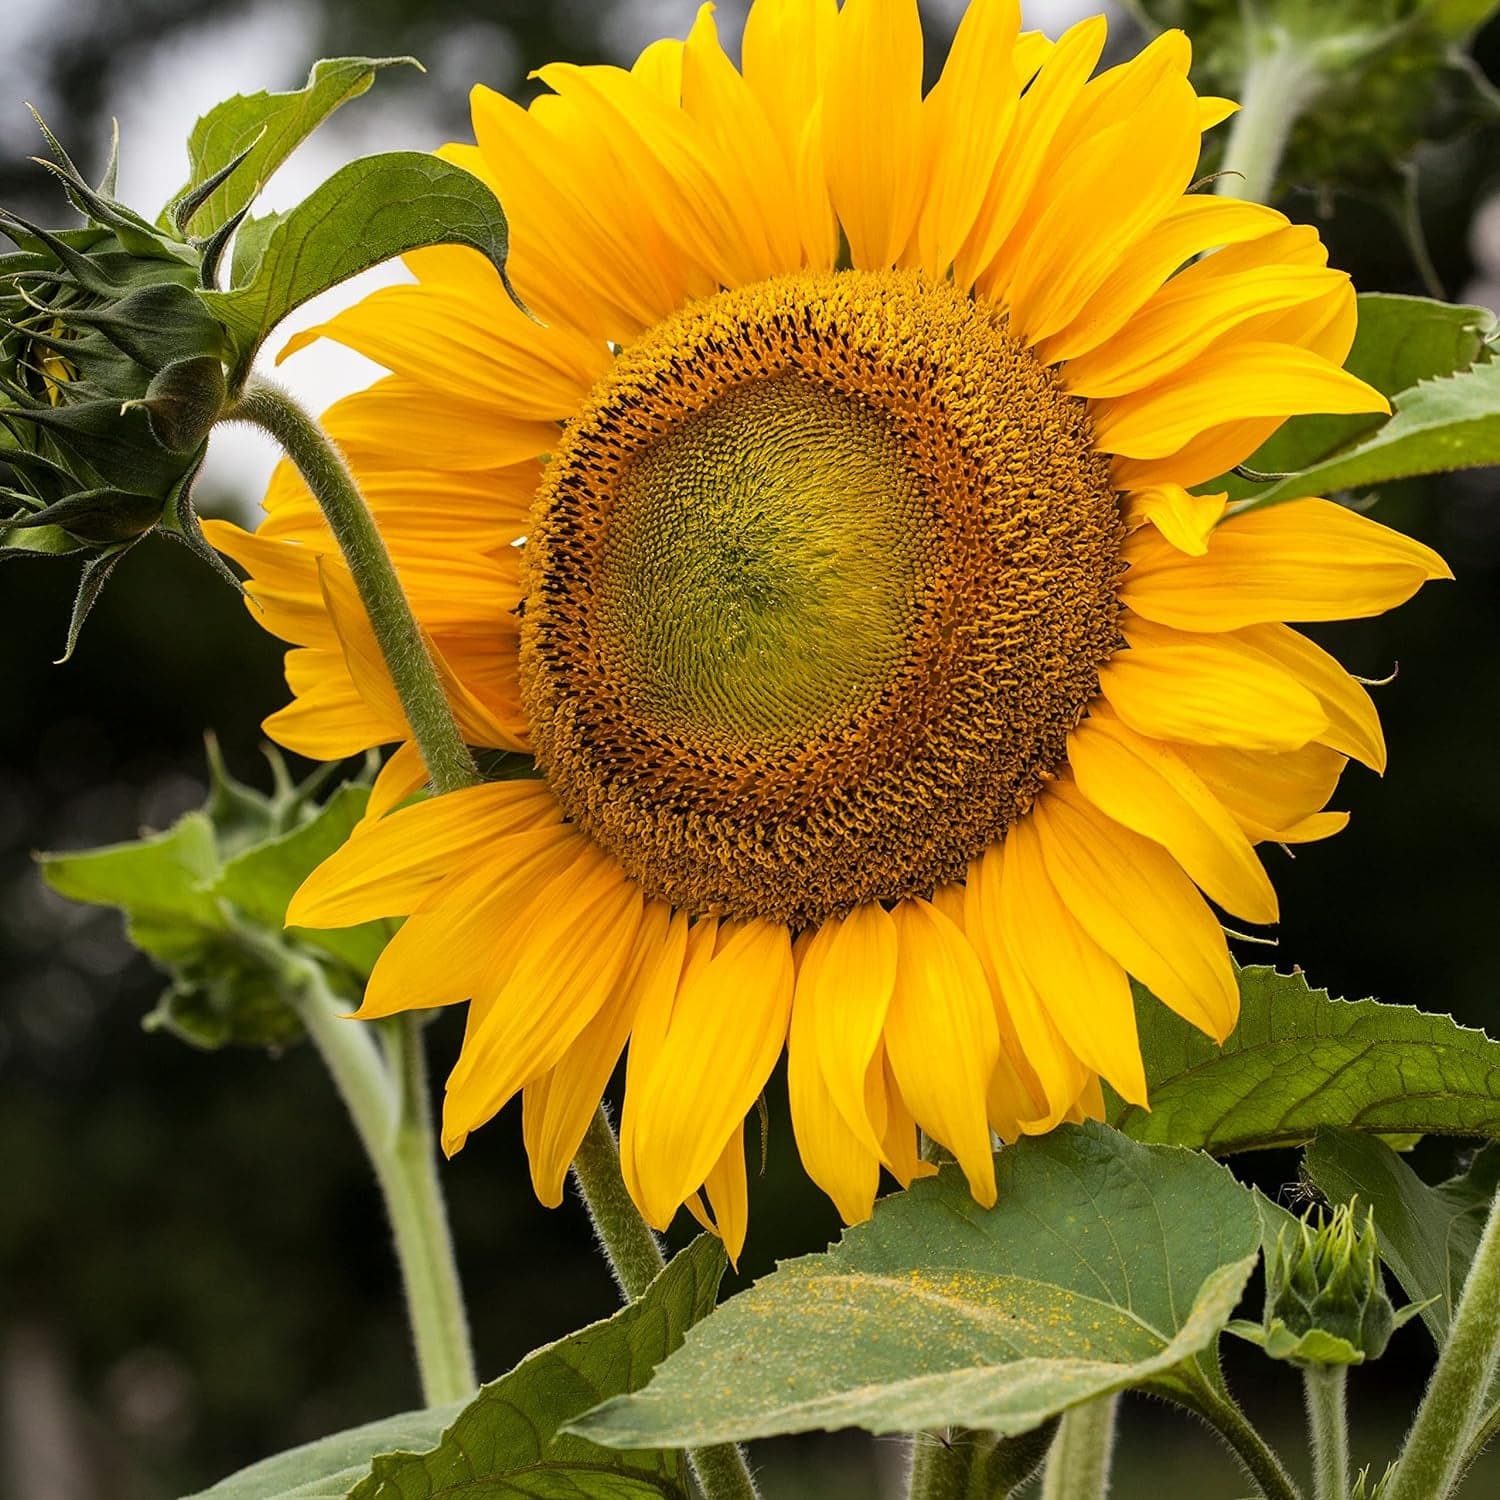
<point x="940" y="1465"/>
<point x="1223" y="1414"/>
<point x="1484" y="1435"/>
<point x="1323" y="1387"/>
<point x="1449" y="1417"/>
<point x="267" y="406"/>
<point x="635" y="1256"/>
<point x="1279" y="83"/>
<point x="387" y="1101"/>
<point x="1078" y="1462"/>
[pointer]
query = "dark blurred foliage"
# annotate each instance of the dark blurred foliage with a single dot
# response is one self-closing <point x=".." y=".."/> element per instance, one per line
<point x="194" y="1270"/>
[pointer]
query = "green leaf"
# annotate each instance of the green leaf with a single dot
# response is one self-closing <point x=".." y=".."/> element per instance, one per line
<point x="1103" y="1265"/>
<point x="1299" y="1061"/>
<point x="329" y="1468"/>
<point x="269" y="127"/>
<point x="158" y="882"/>
<point x="260" y="882"/>
<point x="508" y="1443"/>
<point x="1401" y="342"/>
<point x="366" y="213"/>
<point x="1427" y="1235"/>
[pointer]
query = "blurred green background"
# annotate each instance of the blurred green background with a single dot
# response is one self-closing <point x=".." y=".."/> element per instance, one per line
<point x="194" y="1270"/>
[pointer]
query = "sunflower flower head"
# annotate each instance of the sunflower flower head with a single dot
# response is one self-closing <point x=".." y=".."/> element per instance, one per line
<point x="836" y="544"/>
<point x="111" y="375"/>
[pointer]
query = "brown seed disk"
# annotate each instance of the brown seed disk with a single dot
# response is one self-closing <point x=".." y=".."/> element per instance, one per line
<point x="818" y="581"/>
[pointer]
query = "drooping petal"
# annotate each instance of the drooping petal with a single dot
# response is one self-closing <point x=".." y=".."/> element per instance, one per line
<point x="558" y="1106"/>
<point x="1147" y="786"/>
<point x="1133" y="899"/>
<point x="725" y="1033"/>
<point x="941" y="1038"/>
<point x="1083" y="988"/>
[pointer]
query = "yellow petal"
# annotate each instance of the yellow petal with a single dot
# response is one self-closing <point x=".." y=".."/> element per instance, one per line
<point x="872" y="127"/>
<point x="968" y="116"/>
<point x="1058" y="1073"/>
<point x="1130" y="173"/>
<point x="389" y="866"/>
<point x="1184" y="519"/>
<point x="844" y="984"/>
<point x="786" y="50"/>
<point x="403" y="774"/>
<point x="1148" y="787"/>
<point x="1272" y="797"/>
<point x="558" y="1106"/>
<point x="1196" y="223"/>
<point x="941" y="1038"/>
<point x="898" y="1136"/>
<point x="483" y="352"/>
<point x="726" y="1031"/>
<point x="449" y="945"/>
<point x="757" y="171"/>
<point x="1041" y="111"/>
<point x="729" y="1195"/>
<point x="1244" y="379"/>
<point x="1208" y="693"/>
<point x="1191" y="312"/>
<point x="845" y="1166"/>
<point x="1304" y="560"/>
<point x="328" y="717"/>
<point x="571" y="945"/>
<point x="1353" y="723"/>
<point x="1133" y="899"/>
<point x="1084" y="990"/>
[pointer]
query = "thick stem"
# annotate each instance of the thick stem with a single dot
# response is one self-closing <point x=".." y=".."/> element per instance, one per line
<point x="1323" y="1387"/>
<point x="1279" y="84"/>
<point x="267" y="406"/>
<point x="635" y="1256"/>
<point x="940" y="1465"/>
<point x="389" y="1107"/>
<point x="1446" y="1421"/>
<point x="1078" y="1462"/>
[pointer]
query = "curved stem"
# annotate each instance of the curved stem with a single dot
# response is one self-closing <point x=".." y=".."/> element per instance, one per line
<point x="635" y="1256"/>
<point x="388" y="1104"/>
<point x="1078" y="1462"/>
<point x="1223" y="1414"/>
<point x="1433" y="1456"/>
<point x="1278" y="85"/>
<point x="266" y="405"/>
<point x="1324" y="1388"/>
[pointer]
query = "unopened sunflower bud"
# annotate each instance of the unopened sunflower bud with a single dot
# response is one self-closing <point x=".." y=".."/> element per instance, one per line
<point x="111" y="376"/>
<point x="1325" y="1299"/>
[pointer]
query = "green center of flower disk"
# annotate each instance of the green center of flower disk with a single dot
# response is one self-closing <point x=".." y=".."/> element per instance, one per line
<point x="818" y="581"/>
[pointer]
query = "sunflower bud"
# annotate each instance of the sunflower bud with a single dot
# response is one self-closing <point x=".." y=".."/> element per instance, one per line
<point x="111" y="376"/>
<point x="1325" y="1299"/>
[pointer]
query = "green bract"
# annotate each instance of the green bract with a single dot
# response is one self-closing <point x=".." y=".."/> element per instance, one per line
<point x="111" y="375"/>
<point x="120" y="348"/>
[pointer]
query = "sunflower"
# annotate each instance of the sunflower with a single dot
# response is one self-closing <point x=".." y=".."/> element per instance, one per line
<point x="829" y="554"/>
